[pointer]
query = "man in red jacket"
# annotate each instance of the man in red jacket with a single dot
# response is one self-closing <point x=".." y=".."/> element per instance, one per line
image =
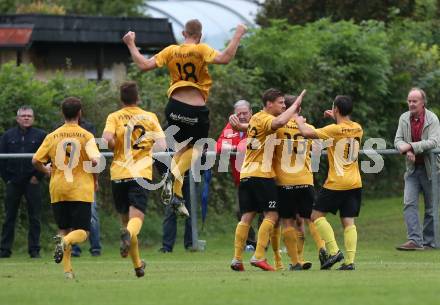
<point x="231" y="139"/>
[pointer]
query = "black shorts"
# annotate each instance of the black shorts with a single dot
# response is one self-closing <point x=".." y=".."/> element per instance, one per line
<point x="257" y="194"/>
<point x="72" y="214"/>
<point x="193" y="121"/>
<point x="128" y="192"/>
<point x="295" y="199"/>
<point x="348" y="202"/>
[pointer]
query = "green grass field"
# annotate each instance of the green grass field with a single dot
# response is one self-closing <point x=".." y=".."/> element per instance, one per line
<point x="383" y="275"/>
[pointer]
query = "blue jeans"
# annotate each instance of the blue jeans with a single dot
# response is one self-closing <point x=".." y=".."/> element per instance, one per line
<point x="416" y="183"/>
<point x="169" y="224"/>
<point x="95" y="244"/>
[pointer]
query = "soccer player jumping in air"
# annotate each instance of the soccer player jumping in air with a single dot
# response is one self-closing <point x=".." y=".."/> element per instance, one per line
<point x="190" y="82"/>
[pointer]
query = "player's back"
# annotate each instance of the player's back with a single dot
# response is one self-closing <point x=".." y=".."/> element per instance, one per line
<point x="69" y="147"/>
<point x="135" y="131"/>
<point x="343" y="173"/>
<point x="188" y="66"/>
<point x="292" y="162"/>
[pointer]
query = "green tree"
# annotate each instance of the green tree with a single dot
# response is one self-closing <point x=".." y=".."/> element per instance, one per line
<point x="19" y="87"/>
<point x="104" y="8"/>
<point x="303" y="11"/>
<point x="75" y="7"/>
<point x="375" y="64"/>
<point x="327" y="59"/>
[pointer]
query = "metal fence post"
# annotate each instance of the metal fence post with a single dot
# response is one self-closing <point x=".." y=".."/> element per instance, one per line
<point x="435" y="197"/>
<point x="193" y="194"/>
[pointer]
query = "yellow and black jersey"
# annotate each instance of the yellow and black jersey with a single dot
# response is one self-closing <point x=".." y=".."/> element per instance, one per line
<point x="343" y="172"/>
<point x="68" y="148"/>
<point x="258" y="160"/>
<point x="135" y="131"/>
<point x="292" y="160"/>
<point x="188" y="66"/>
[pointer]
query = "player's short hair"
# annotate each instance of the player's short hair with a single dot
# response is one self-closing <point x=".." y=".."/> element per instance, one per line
<point x="422" y="93"/>
<point x="129" y="93"/>
<point x="344" y="104"/>
<point x="271" y="95"/>
<point x="193" y="28"/>
<point x="289" y="100"/>
<point x="71" y="106"/>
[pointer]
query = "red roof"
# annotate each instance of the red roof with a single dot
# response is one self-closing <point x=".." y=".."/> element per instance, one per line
<point x="15" y="37"/>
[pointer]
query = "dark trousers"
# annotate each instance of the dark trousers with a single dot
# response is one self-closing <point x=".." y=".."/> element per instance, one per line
<point x="170" y="222"/>
<point x="32" y="194"/>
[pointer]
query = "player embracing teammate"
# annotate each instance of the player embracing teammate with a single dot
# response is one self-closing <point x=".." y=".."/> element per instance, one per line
<point x="291" y="169"/>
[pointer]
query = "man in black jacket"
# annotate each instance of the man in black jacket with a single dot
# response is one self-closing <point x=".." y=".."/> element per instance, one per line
<point x="21" y="178"/>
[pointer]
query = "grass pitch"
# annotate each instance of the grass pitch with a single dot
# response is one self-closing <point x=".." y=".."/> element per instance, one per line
<point x="383" y="275"/>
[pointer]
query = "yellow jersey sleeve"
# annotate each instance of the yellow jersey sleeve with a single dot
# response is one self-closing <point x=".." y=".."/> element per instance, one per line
<point x="327" y="132"/>
<point x="266" y="123"/>
<point x="292" y="162"/>
<point x="208" y="52"/>
<point x="91" y="148"/>
<point x="158" y="132"/>
<point x="162" y="57"/>
<point x="42" y="153"/>
<point x="110" y="124"/>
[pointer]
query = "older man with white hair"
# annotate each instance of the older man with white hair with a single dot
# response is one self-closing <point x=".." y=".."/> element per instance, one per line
<point x="418" y="132"/>
<point x="233" y="138"/>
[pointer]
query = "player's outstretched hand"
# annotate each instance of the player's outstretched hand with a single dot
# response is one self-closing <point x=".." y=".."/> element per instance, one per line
<point x="300" y="120"/>
<point x="241" y="29"/>
<point x="329" y="114"/>
<point x="129" y="37"/>
<point x="298" y="101"/>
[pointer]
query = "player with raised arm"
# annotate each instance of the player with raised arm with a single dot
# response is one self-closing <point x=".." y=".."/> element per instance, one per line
<point x="131" y="133"/>
<point x="72" y="188"/>
<point x="343" y="187"/>
<point x="190" y="83"/>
